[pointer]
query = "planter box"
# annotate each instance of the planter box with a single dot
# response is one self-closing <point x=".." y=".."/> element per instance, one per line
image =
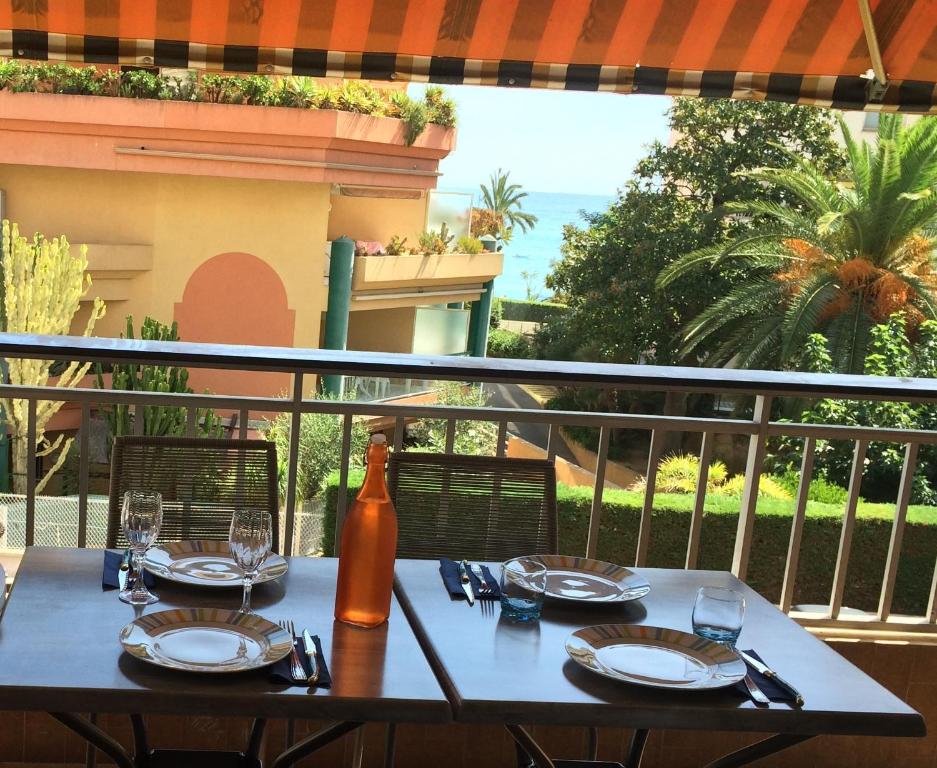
<point x="410" y="271"/>
<point x="145" y="135"/>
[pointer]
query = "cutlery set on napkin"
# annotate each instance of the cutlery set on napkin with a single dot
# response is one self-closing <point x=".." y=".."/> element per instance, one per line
<point x="472" y="581"/>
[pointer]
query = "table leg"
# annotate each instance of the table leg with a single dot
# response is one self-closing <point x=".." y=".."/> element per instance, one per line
<point x="592" y="752"/>
<point x="758" y="750"/>
<point x="95" y="736"/>
<point x="252" y="756"/>
<point x="526" y="742"/>
<point x="310" y="744"/>
<point x="141" y="747"/>
<point x="636" y="749"/>
<point x="390" y="745"/>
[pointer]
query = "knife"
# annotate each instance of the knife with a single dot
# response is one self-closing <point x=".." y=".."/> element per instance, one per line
<point x="466" y="583"/>
<point x="124" y="571"/>
<point x="772" y="675"/>
<point x="313" y="659"/>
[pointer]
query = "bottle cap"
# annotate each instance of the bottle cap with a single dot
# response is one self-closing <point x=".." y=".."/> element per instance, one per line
<point x="379" y="439"/>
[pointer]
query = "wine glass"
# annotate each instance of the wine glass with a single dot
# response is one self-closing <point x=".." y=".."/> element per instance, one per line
<point x="250" y="541"/>
<point x="141" y="516"/>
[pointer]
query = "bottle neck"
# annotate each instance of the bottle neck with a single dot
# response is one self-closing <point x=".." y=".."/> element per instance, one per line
<point x="375" y="486"/>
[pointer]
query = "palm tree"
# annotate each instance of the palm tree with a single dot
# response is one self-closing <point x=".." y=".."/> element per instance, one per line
<point x="847" y="254"/>
<point x="504" y="200"/>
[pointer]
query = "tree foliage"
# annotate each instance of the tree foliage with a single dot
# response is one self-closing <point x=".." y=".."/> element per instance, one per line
<point x="677" y="202"/>
<point x="840" y="257"/>
<point x="504" y="202"/>
<point x="890" y="353"/>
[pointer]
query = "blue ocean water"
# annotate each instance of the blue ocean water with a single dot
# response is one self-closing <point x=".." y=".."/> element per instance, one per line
<point x="534" y="251"/>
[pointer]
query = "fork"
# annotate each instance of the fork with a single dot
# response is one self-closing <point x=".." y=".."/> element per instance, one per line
<point x="297" y="670"/>
<point x="485" y="588"/>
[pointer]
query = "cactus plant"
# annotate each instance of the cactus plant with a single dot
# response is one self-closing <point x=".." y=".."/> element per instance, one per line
<point x="157" y="420"/>
<point x="43" y="285"/>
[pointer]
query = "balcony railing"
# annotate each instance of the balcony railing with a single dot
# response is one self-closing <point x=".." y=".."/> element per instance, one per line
<point x="763" y="387"/>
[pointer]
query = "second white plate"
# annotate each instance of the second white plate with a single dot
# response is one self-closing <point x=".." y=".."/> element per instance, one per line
<point x="581" y="579"/>
<point x="205" y="563"/>
<point x="655" y="656"/>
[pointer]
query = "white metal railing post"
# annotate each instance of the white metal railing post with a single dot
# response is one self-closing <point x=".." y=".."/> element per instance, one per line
<point x="243" y="421"/>
<point x="293" y="462"/>
<point x="502" y="444"/>
<point x="797" y="525"/>
<point x="699" y="501"/>
<point x="647" y="511"/>
<point x="84" y="467"/>
<point x="341" y="503"/>
<point x="595" y="514"/>
<point x="849" y="524"/>
<point x="897" y="531"/>
<point x="753" y="468"/>
<point x="31" y="471"/>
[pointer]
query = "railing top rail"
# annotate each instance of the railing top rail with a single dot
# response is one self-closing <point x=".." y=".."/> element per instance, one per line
<point x="608" y="375"/>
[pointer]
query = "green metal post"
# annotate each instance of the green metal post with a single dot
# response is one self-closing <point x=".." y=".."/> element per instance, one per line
<point x="479" y="319"/>
<point x="336" y="315"/>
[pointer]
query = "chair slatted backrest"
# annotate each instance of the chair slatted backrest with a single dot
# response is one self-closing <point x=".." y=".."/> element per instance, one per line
<point x="202" y="481"/>
<point x="474" y="507"/>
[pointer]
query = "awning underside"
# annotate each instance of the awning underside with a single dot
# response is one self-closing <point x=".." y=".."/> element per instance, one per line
<point x="805" y="51"/>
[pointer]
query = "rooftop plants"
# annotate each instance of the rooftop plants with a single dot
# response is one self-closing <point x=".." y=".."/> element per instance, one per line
<point x="259" y="90"/>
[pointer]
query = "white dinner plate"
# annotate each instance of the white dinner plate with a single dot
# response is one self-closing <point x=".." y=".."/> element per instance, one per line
<point x="581" y="579"/>
<point x="205" y="563"/>
<point x="205" y="640"/>
<point x="655" y="657"/>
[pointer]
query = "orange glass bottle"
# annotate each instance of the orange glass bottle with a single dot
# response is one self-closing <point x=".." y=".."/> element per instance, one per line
<point x="369" y="546"/>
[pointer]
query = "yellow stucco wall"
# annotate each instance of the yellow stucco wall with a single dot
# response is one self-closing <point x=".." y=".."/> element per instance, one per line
<point x="373" y="218"/>
<point x="187" y="220"/>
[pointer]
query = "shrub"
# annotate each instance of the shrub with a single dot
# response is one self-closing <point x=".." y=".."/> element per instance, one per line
<point x="320" y="448"/>
<point x="678" y="474"/>
<point x="497" y="314"/>
<point x="821" y="489"/>
<point x="436" y="242"/>
<point x="469" y="244"/>
<point x="670" y="523"/>
<point x="396" y="246"/>
<point x="474" y="438"/>
<point x="532" y="311"/>
<point x="508" y="344"/>
<point x="768" y="487"/>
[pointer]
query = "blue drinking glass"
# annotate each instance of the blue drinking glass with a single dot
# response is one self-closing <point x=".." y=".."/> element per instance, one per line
<point x="523" y="583"/>
<point x="718" y="614"/>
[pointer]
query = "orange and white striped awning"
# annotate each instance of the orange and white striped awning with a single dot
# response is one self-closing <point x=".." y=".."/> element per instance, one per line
<point x="806" y="51"/>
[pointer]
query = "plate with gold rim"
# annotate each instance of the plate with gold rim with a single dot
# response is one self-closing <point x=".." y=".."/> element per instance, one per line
<point x="584" y="580"/>
<point x="656" y="657"/>
<point x="206" y="563"/>
<point x="211" y="640"/>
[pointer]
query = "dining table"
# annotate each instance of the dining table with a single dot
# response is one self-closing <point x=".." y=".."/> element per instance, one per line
<point x="519" y="674"/>
<point x="60" y="654"/>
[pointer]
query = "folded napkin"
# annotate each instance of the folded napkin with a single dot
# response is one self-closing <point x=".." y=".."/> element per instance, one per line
<point x="768" y="687"/>
<point x="112" y="561"/>
<point x="449" y="570"/>
<point x="280" y="672"/>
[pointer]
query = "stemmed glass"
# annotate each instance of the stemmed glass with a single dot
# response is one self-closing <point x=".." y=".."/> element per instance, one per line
<point x="141" y="516"/>
<point x="250" y="541"/>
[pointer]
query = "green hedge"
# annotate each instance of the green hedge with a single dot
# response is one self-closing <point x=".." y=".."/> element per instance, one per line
<point x="530" y="311"/>
<point x="621" y="512"/>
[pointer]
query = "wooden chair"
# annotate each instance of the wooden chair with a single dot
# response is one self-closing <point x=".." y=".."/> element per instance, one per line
<point x="202" y="482"/>
<point x="474" y="507"/>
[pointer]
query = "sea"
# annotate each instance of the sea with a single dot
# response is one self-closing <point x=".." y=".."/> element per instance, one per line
<point x="528" y="257"/>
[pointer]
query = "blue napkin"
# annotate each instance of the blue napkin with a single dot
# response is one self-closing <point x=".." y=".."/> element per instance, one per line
<point x="449" y="570"/>
<point x="112" y="561"/>
<point x="280" y="671"/>
<point x="768" y="687"/>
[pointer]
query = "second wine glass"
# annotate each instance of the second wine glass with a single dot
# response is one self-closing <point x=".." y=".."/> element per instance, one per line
<point x="250" y="540"/>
